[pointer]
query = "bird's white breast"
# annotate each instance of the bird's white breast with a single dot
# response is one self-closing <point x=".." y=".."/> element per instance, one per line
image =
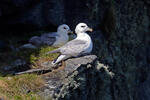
<point x="87" y="38"/>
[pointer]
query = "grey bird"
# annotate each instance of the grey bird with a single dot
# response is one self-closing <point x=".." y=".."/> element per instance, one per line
<point x="53" y="38"/>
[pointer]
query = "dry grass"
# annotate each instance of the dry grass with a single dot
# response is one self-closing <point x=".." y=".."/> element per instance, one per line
<point x="24" y="87"/>
<point x="21" y="87"/>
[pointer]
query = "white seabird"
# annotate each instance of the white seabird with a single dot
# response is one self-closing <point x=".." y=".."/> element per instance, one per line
<point x="81" y="45"/>
<point x="54" y="38"/>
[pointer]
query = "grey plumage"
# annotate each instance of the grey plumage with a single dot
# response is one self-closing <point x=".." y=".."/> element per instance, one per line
<point x="45" y="39"/>
<point x="73" y="48"/>
<point x="35" y="40"/>
<point x="52" y="38"/>
<point x="54" y="51"/>
<point x="49" y="39"/>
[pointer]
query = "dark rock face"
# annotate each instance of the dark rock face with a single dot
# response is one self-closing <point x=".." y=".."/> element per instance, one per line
<point x="2" y="44"/>
<point x="144" y="91"/>
<point x="34" y="14"/>
<point x="88" y="83"/>
<point x="16" y="66"/>
<point x="31" y="14"/>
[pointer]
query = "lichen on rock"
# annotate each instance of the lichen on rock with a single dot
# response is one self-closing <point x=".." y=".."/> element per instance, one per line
<point x="59" y="78"/>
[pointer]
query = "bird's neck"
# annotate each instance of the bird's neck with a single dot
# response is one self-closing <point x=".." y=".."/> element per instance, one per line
<point x="63" y="35"/>
<point x="83" y="36"/>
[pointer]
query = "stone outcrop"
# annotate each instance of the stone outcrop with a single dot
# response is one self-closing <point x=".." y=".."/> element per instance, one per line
<point x="59" y="79"/>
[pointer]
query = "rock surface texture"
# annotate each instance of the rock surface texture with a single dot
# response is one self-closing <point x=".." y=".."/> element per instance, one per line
<point x="58" y="81"/>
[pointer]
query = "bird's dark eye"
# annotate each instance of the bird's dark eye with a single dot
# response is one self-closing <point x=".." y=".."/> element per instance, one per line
<point x="82" y="26"/>
<point x="65" y="28"/>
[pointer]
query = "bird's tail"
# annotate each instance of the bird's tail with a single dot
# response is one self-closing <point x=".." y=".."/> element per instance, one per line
<point x="54" y="51"/>
<point x="59" y="59"/>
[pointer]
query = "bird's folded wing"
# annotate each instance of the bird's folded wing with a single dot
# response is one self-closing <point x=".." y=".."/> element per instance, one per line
<point x="74" y="48"/>
<point x="35" y="40"/>
<point x="48" y="39"/>
<point x="53" y="34"/>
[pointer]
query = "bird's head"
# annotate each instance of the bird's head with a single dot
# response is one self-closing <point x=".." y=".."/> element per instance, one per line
<point x="82" y="28"/>
<point x="63" y="29"/>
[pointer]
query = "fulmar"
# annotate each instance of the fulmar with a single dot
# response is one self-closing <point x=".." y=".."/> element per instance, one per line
<point x="81" y="45"/>
<point x="53" y="38"/>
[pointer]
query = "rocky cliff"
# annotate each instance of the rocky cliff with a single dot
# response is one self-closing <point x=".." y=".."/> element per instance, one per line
<point x="121" y="43"/>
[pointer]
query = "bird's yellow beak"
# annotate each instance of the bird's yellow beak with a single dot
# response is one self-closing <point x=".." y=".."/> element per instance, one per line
<point x="90" y="29"/>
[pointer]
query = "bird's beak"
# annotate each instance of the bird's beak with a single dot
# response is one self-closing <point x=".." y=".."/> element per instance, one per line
<point x="71" y="32"/>
<point x="90" y="29"/>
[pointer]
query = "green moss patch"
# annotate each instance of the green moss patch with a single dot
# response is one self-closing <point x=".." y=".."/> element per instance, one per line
<point x="36" y="58"/>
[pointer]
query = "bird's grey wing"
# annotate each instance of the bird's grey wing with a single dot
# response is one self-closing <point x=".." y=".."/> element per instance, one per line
<point x="74" y="48"/>
<point x="52" y="34"/>
<point x="48" y="39"/>
<point x="35" y="40"/>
